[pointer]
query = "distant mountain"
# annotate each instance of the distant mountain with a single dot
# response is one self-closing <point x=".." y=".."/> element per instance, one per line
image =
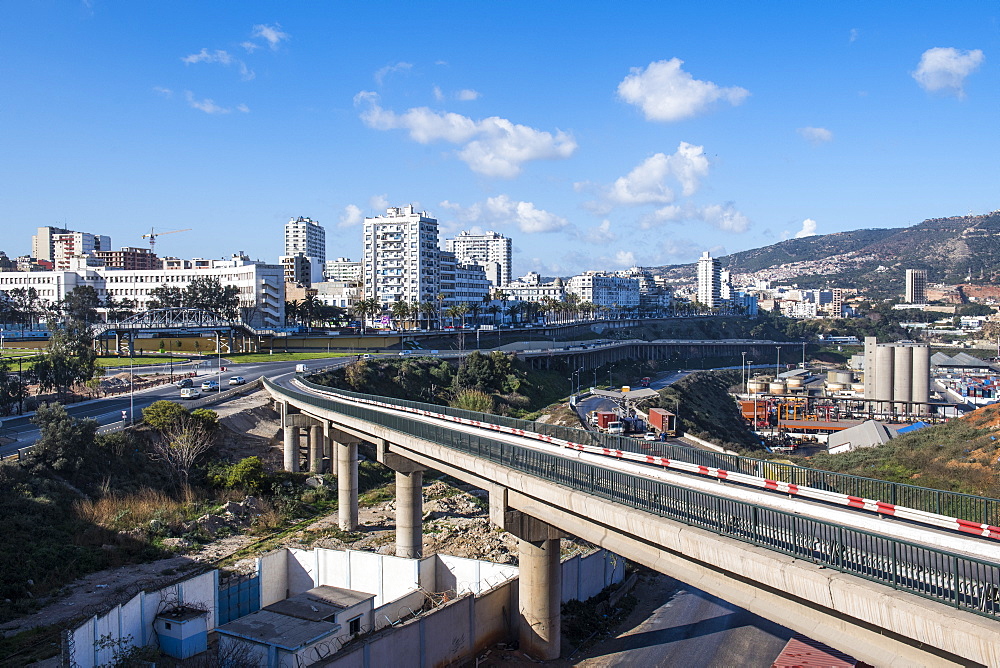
<point x="953" y="250"/>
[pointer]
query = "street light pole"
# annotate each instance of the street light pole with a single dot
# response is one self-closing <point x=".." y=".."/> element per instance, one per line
<point x="777" y="365"/>
<point x="743" y="370"/>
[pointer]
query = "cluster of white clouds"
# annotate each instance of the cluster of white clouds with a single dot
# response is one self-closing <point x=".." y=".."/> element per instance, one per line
<point x="503" y="211"/>
<point x="944" y="69"/>
<point x="808" y="229"/>
<point x="647" y="183"/>
<point x="353" y="216"/>
<point x="492" y="146"/>
<point x="463" y="95"/>
<point x="271" y="35"/>
<point x="815" y="136"/>
<point x="665" y="92"/>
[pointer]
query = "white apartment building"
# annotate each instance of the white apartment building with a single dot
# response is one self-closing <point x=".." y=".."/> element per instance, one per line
<point x="305" y="251"/>
<point x="401" y="256"/>
<point x="709" y="281"/>
<point x="491" y="250"/>
<point x="531" y="289"/>
<point x="261" y="286"/>
<point x="344" y="294"/>
<point x="461" y="282"/>
<point x="604" y="289"/>
<point x="59" y="246"/>
<point x="916" y="286"/>
<point x="342" y="270"/>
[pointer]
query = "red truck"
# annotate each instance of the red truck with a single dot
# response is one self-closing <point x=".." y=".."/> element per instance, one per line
<point x="604" y="418"/>
<point x="663" y="420"/>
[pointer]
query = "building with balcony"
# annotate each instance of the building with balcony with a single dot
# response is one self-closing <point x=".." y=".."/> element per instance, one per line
<point x="490" y="250"/>
<point x="400" y="260"/>
<point x="605" y="290"/>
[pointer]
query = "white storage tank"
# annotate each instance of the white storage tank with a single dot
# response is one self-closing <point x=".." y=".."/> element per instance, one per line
<point x="776" y="387"/>
<point x="834" y="387"/>
<point x="794" y="384"/>
<point x="756" y="387"/>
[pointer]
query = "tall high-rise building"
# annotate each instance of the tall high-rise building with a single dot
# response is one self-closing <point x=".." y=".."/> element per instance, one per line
<point x="342" y="270"/>
<point x="305" y="250"/>
<point x="401" y="256"/>
<point x="916" y="286"/>
<point x="486" y="250"/>
<point x="57" y="245"/>
<point x="709" y="281"/>
<point x="725" y="285"/>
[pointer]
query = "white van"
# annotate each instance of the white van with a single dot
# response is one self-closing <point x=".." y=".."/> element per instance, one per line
<point x="190" y="393"/>
<point x="300" y="368"/>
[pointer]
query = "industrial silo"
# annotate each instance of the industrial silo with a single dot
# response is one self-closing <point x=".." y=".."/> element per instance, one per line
<point x="884" y="357"/>
<point x="902" y="377"/>
<point x="921" y="377"/>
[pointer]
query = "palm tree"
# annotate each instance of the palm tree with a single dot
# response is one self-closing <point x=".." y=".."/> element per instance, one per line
<point x="365" y="309"/>
<point x="493" y="310"/>
<point x="428" y="309"/>
<point x="462" y="310"/>
<point x="440" y="310"/>
<point x="475" y="309"/>
<point x="515" y="310"/>
<point x="291" y="312"/>
<point x="400" y="311"/>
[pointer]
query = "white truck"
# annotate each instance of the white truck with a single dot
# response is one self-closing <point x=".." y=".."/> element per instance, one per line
<point x="616" y="427"/>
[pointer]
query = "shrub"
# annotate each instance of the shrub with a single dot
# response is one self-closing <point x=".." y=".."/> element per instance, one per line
<point x="162" y="415"/>
<point x="473" y="400"/>
<point x="247" y="474"/>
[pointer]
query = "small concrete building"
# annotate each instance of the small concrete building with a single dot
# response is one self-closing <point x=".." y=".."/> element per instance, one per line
<point x="183" y="631"/>
<point x="301" y="629"/>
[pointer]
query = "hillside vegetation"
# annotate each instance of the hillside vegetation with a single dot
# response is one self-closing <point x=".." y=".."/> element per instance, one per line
<point x="962" y="455"/>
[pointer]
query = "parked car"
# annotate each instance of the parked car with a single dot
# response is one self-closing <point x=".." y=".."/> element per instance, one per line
<point x="190" y="393"/>
<point x="650" y="436"/>
<point x="210" y="386"/>
<point x="185" y="382"/>
<point x="237" y="380"/>
<point x="366" y="356"/>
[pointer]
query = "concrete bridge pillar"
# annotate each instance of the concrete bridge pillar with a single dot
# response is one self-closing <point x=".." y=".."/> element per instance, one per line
<point x="316" y="446"/>
<point x="540" y="578"/>
<point x="347" y="481"/>
<point x="291" y="448"/>
<point x="409" y="513"/>
<point x="409" y="501"/>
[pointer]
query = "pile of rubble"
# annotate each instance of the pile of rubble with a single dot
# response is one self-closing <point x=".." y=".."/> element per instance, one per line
<point x="232" y="518"/>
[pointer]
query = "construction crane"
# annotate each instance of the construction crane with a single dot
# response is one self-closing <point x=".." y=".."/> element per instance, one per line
<point x="153" y="234"/>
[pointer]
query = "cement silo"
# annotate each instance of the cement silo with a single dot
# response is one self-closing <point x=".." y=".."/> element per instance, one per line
<point x="884" y="359"/>
<point x="902" y="377"/>
<point x="921" y="378"/>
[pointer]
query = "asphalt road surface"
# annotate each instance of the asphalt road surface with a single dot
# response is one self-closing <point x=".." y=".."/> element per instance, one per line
<point x="677" y="625"/>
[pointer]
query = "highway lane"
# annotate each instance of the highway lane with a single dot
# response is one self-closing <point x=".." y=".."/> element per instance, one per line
<point x="109" y="410"/>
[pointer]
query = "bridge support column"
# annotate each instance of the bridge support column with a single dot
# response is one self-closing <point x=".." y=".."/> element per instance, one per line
<point x="316" y="447"/>
<point x="409" y="501"/>
<point x="347" y="484"/>
<point x="540" y="577"/>
<point x="291" y="448"/>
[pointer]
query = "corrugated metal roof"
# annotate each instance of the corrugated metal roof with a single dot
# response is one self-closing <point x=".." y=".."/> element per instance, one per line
<point x="803" y="652"/>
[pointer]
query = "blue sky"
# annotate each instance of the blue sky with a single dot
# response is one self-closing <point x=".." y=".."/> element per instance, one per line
<point x="596" y="135"/>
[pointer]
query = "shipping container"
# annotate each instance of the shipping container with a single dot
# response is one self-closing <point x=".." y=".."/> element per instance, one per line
<point x="604" y="418"/>
<point x="663" y="420"/>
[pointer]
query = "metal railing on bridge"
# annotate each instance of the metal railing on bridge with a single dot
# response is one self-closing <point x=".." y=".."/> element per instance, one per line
<point x="957" y="580"/>
<point x="942" y="502"/>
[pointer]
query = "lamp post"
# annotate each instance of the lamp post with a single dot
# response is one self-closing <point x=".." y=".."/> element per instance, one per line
<point x="131" y="388"/>
<point x="595" y="377"/>
<point x="777" y="364"/>
<point x="743" y="370"/>
<point x="218" y="350"/>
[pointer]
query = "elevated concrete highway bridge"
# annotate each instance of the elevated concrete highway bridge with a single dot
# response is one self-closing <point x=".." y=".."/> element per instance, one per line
<point x="839" y="580"/>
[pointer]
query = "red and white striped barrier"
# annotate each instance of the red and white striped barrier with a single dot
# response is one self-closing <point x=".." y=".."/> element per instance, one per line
<point x="837" y="498"/>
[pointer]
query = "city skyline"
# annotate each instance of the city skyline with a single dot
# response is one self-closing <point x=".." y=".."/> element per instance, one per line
<point x="596" y="140"/>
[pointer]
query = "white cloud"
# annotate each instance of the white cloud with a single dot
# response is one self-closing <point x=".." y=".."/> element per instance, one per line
<point x="493" y="146"/>
<point x="815" y="136"/>
<point x="665" y="92"/>
<point x="250" y="47"/>
<point x="723" y="216"/>
<point x="467" y="95"/>
<point x="625" y="259"/>
<point x="383" y="72"/>
<point x="853" y="36"/>
<point x="502" y="210"/>
<point x="646" y="183"/>
<point x="165" y="92"/>
<point x="220" y="57"/>
<point x="379" y="202"/>
<point x="808" y="229"/>
<point x="944" y="69"/>
<point x="243" y="108"/>
<point x="601" y="234"/>
<point x="207" y="105"/>
<point x="438" y="95"/>
<point x="272" y="34"/>
<point x="351" y="217"/>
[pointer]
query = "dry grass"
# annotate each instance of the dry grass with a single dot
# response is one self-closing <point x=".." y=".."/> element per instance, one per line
<point x="125" y="512"/>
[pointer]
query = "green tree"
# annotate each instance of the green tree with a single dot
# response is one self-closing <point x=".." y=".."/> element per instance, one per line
<point x="162" y="415"/>
<point x="64" y="441"/>
<point x="13" y="389"/>
<point x="69" y="357"/>
<point x="247" y="474"/>
<point x="166" y="296"/>
<point x="210" y="295"/>
<point x="82" y="304"/>
<point x="473" y="400"/>
<point x="181" y="446"/>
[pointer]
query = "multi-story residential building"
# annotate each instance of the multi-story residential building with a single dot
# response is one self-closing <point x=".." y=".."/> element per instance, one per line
<point x="342" y="270"/>
<point x="261" y="286"/>
<point x="916" y="286"/>
<point x="491" y="250"/>
<point x="305" y="251"/>
<point x="709" y="281"/>
<point x="59" y="245"/>
<point x="401" y="256"/>
<point x="654" y="298"/>
<point x="725" y="285"/>
<point x="462" y="282"/>
<point x="529" y="288"/>
<point x="128" y="258"/>
<point x="602" y="289"/>
<point x="344" y="294"/>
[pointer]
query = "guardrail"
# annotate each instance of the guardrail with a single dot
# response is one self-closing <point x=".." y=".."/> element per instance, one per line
<point x="968" y="507"/>
<point x="962" y="582"/>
